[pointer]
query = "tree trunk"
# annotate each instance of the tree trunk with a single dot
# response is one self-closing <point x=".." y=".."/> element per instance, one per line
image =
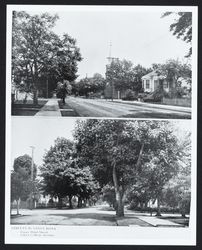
<point x="70" y="202"/>
<point x="183" y="215"/>
<point x="119" y="195"/>
<point x="35" y="97"/>
<point x="18" y="206"/>
<point x="79" y="205"/>
<point x="85" y="202"/>
<point x="158" y="207"/>
<point x="59" y="203"/>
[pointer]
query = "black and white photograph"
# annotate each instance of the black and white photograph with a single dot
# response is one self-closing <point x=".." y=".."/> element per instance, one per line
<point x="102" y="172"/>
<point x="102" y="63"/>
<point x="101" y="131"/>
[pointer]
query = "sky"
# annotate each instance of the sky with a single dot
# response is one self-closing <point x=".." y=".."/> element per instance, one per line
<point x="139" y="36"/>
<point x="41" y="133"/>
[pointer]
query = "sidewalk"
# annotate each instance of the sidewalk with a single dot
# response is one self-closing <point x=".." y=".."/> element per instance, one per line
<point x="151" y="105"/>
<point x="156" y="222"/>
<point x="51" y="108"/>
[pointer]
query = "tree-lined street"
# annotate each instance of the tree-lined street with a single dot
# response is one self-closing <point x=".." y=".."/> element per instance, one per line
<point x="76" y="106"/>
<point x="93" y="216"/>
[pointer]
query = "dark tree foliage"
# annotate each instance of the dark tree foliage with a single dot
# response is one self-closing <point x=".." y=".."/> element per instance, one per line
<point x="124" y="75"/>
<point x="37" y="52"/>
<point x="61" y="174"/>
<point x="182" y="27"/>
<point x="120" y="153"/>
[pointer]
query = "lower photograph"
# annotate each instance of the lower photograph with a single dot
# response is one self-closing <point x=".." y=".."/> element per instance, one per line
<point x="128" y="174"/>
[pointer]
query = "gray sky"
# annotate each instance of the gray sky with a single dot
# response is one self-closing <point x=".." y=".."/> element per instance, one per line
<point x="139" y="36"/>
<point x="41" y="133"/>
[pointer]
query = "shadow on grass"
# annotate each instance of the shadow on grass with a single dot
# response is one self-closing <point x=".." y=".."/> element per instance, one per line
<point x="93" y="216"/>
<point x="27" y="109"/>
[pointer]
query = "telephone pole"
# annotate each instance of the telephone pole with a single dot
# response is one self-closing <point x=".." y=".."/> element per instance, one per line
<point x="110" y="60"/>
<point x="32" y="177"/>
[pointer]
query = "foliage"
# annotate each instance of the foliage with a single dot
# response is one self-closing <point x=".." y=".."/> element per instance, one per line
<point x="130" y="95"/>
<point x="38" y="52"/>
<point x="172" y="71"/>
<point x="108" y="195"/>
<point x="22" y="186"/>
<point x="22" y="166"/>
<point x="182" y="27"/>
<point x="91" y="85"/>
<point x="121" y="153"/>
<point x="124" y="75"/>
<point x="61" y="175"/>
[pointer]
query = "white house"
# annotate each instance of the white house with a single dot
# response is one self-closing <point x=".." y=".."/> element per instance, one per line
<point x="152" y="80"/>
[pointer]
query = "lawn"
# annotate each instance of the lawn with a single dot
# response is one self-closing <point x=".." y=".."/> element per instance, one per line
<point x="28" y="108"/>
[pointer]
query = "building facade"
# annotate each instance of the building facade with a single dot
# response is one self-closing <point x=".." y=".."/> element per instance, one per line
<point x="152" y="81"/>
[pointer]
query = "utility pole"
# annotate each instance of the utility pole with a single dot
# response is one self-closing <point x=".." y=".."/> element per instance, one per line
<point x="110" y="60"/>
<point x="32" y="177"/>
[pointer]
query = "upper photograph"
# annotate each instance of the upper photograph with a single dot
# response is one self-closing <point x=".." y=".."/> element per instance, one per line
<point x="102" y="62"/>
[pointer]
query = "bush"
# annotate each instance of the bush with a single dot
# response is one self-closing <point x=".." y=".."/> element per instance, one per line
<point x="156" y="96"/>
<point x="130" y="95"/>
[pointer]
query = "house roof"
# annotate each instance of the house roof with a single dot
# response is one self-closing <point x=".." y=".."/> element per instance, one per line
<point x="151" y="74"/>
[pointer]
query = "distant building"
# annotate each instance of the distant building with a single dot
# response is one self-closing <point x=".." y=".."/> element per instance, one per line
<point x="152" y="80"/>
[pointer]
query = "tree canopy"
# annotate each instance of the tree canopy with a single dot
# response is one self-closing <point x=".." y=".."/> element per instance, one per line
<point x="119" y="152"/>
<point x="61" y="174"/>
<point x="38" y="52"/>
<point x="182" y="27"/>
<point x="123" y="75"/>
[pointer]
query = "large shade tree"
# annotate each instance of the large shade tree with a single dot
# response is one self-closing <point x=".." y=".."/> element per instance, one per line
<point x="122" y="74"/>
<point x="62" y="175"/>
<point x="23" y="179"/>
<point x="119" y="152"/>
<point x="37" y="52"/>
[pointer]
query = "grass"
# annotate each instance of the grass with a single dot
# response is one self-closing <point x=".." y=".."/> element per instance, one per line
<point x="28" y="108"/>
<point x="66" y="110"/>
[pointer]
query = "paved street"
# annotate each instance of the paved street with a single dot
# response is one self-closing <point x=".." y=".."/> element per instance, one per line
<point x="102" y="108"/>
<point x="93" y="216"/>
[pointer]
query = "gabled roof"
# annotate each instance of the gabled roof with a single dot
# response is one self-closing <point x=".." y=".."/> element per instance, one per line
<point x="151" y="74"/>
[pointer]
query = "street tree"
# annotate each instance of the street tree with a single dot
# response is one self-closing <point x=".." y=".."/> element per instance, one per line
<point x="62" y="175"/>
<point x="123" y="75"/>
<point x="174" y="71"/>
<point x="182" y="26"/>
<point x="57" y="171"/>
<point x="23" y="165"/>
<point x="89" y="85"/>
<point x="177" y="193"/>
<point x="23" y="184"/>
<point x="38" y="52"/>
<point x="119" y="152"/>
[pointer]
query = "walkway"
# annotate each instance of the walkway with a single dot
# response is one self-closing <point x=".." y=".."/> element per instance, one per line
<point x="51" y="108"/>
<point x="156" y="222"/>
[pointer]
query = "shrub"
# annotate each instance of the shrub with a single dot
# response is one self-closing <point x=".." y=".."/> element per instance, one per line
<point x="130" y="95"/>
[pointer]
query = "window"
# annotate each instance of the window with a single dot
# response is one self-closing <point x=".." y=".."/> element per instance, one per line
<point x="147" y="84"/>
